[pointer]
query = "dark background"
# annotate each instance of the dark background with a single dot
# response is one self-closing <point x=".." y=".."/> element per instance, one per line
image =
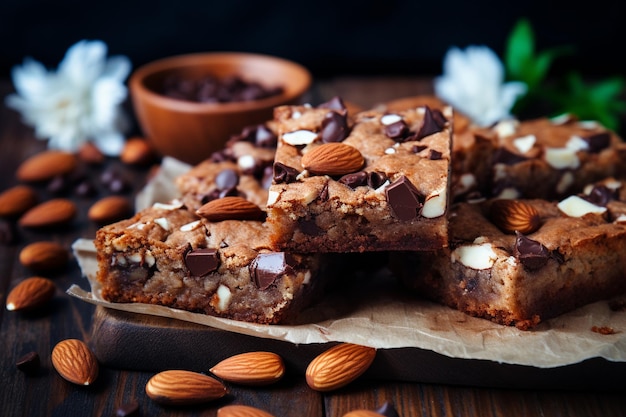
<point x="390" y="37"/>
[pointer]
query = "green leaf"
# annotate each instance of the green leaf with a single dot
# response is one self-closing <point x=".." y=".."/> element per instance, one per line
<point x="520" y="49"/>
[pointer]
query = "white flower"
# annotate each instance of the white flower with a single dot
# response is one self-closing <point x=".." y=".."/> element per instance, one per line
<point x="473" y="83"/>
<point x="79" y="102"/>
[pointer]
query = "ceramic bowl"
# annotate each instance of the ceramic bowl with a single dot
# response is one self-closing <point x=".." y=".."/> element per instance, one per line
<point x="191" y="131"/>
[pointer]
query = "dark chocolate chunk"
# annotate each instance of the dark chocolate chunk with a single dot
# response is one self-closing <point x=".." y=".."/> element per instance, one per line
<point x="129" y="409"/>
<point x="226" y="179"/>
<point x="265" y="138"/>
<point x="284" y="173"/>
<point x="355" y="179"/>
<point x="504" y="156"/>
<point x="29" y="363"/>
<point x="324" y="193"/>
<point x="211" y="89"/>
<point x="532" y="254"/>
<point x="85" y="188"/>
<point x="309" y="227"/>
<point x="418" y="148"/>
<point x="397" y="131"/>
<point x="267" y="267"/>
<point x="201" y="262"/>
<point x="433" y="123"/>
<point x="375" y="179"/>
<point x="335" y="103"/>
<point x="334" y="127"/>
<point x="57" y="185"/>
<point x="387" y="410"/>
<point x="403" y="198"/>
<point x="434" y="155"/>
<point x="598" y="141"/>
<point x="600" y="195"/>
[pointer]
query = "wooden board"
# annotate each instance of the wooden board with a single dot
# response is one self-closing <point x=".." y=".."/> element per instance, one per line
<point x="133" y="341"/>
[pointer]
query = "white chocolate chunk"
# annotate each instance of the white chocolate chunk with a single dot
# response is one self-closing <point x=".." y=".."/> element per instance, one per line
<point x="566" y="180"/>
<point x="223" y="296"/>
<point x="576" y="143"/>
<point x="509" y="193"/>
<point x="389" y="119"/>
<point x="476" y="256"/>
<point x="149" y="259"/>
<point x="390" y="151"/>
<point x="135" y="258"/>
<point x="163" y="222"/>
<point x="589" y="124"/>
<point x="561" y="119"/>
<point x="246" y="162"/>
<point x="621" y="219"/>
<point x="435" y="205"/>
<point x="562" y="158"/>
<point x="189" y="226"/>
<point x="299" y="137"/>
<point x="506" y="128"/>
<point x="575" y="206"/>
<point x="272" y="197"/>
<point x="525" y="143"/>
<point x="173" y="205"/>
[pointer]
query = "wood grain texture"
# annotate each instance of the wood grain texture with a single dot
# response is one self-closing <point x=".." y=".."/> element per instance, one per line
<point x="47" y="394"/>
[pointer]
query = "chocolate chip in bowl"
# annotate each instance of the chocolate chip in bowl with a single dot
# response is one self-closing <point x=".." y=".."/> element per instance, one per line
<point x="188" y="106"/>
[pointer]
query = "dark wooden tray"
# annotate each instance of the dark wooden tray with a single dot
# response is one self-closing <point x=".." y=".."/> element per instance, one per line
<point x="147" y="343"/>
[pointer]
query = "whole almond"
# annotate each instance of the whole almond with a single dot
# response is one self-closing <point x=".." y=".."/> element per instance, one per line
<point x="31" y="293"/>
<point x="109" y="209"/>
<point x="338" y="366"/>
<point x="90" y="153"/>
<point x="251" y="368"/>
<point x="137" y="151"/>
<point x="46" y="165"/>
<point x="334" y="158"/>
<point x="242" y="411"/>
<point x="75" y="362"/>
<point x="44" y="256"/>
<point x="230" y="208"/>
<point x="514" y="215"/>
<point x="16" y="200"/>
<point x="178" y="387"/>
<point x="363" y="413"/>
<point x="49" y="213"/>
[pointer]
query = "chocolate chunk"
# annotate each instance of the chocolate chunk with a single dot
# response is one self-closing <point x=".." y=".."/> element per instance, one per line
<point x="211" y="89"/>
<point x="598" y="141"/>
<point x="334" y="127"/>
<point x="403" y="198"/>
<point x="532" y="254"/>
<point x="418" y="148"/>
<point x="504" y="156"/>
<point x="85" y="188"/>
<point x="397" y="131"/>
<point x="284" y="173"/>
<point x="434" y="155"/>
<point x="355" y="179"/>
<point x="387" y="410"/>
<point x="201" y="262"/>
<point x="264" y="137"/>
<point x="375" y="179"/>
<point x="309" y="227"/>
<point x="600" y="195"/>
<point x="226" y="179"/>
<point x="335" y="103"/>
<point x="267" y="267"/>
<point x="433" y="123"/>
<point x="129" y="409"/>
<point x="29" y="363"/>
<point x="324" y="193"/>
<point x="58" y="185"/>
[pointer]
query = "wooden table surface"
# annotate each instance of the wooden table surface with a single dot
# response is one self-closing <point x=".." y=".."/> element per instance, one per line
<point x="47" y="394"/>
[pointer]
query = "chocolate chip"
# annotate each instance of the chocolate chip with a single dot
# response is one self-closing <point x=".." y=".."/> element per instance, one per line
<point x="418" y="148"/>
<point x="201" y="262"/>
<point x="334" y="127"/>
<point x="434" y="155"/>
<point x="504" y="156"/>
<point x="85" y="188"/>
<point x="403" y="198"/>
<point x="309" y="227"/>
<point x="375" y="179"/>
<point x="397" y="130"/>
<point x="355" y="179"/>
<point x="532" y="254"/>
<point x="57" y="185"/>
<point x="7" y="232"/>
<point x="600" y="195"/>
<point x="598" y="141"/>
<point x="387" y="410"/>
<point x="324" y="193"/>
<point x="211" y="89"/>
<point x="265" y="138"/>
<point x="129" y="409"/>
<point x="29" y="363"/>
<point x="226" y="179"/>
<point x="267" y="267"/>
<point x="335" y="103"/>
<point x="433" y="123"/>
<point x="284" y="173"/>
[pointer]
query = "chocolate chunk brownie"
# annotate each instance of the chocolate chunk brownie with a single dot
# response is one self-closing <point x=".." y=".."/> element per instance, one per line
<point x="373" y="182"/>
<point x="169" y="256"/>
<point x="520" y="262"/>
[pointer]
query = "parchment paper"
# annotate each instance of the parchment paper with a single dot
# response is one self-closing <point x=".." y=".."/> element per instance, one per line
<point x="379" y="314"/>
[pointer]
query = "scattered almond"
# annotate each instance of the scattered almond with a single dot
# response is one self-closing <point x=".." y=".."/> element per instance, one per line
<point x="75" y="362"/>
<point x="109" y="209"/>
<point x="178" y="387"/>
<point x="242" y="411"/>
<point x="338" y="366"/>
<point x="46" y="165"/>
<point x="44" y="256"/>
<point x="90" y="153"/>
<point x="230" y="208"/>
<point x="31" y="293"/>
<point x="515" y="215"/>
<point x="49" y="213"/>
<point x="251" y="368"/>
<point x="16" y="200"/>
<point x="363" y="413"/>
<point x="334" y="158"/>
<point x="137" y="151"/>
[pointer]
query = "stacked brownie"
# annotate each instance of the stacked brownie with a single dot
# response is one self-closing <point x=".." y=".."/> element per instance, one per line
<point x="479" y="222"/>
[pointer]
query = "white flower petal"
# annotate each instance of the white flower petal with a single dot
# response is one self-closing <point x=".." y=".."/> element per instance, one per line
<point x="83" y="63"/>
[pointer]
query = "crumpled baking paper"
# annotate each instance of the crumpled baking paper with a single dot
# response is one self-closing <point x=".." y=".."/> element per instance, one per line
<point x="378" y="313"/>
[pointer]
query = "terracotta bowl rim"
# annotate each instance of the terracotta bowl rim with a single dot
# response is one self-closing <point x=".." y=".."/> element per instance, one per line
<point x="137" y="87"/>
